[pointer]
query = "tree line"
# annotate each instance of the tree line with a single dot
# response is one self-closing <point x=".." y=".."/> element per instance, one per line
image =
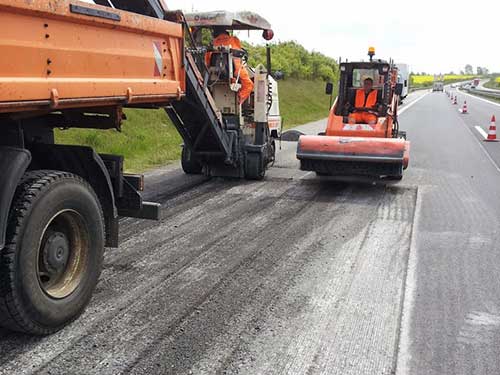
<point x="294" y="61"/>
<point x="467" y="70"/>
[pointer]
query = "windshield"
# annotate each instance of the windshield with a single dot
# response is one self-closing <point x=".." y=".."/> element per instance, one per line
<point x="359" y="75"/>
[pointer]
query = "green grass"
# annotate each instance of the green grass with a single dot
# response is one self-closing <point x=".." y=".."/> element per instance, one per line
<point x="493" y="83"/>
<point x="149" y="140"/>
<point x="302" y="101"/>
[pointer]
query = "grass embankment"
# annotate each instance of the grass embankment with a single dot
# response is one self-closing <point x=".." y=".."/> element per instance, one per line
<point x="302" y="101"/>
<point x="428" y="80"/>
<point x="148" y="138"/>
<point x="493" y="83"/>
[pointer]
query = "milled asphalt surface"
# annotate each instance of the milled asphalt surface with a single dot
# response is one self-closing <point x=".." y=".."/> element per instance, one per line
<point x="300" y="275"/>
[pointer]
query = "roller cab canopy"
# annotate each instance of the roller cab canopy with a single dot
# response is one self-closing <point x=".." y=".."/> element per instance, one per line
<point x="230" y="20"/>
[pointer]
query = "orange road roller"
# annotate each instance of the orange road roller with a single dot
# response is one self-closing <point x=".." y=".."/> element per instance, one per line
<point x="362" y="140"/>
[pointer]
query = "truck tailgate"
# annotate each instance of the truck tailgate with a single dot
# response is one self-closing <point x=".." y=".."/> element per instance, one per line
<point x="60" y="54"/>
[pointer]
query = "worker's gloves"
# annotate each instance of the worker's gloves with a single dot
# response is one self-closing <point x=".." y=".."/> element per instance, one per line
<point x="235" y="86"/>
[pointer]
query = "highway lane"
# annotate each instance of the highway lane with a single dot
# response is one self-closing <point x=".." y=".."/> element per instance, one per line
<point x="296" y="274"/>
<point x="289" y="275"/>
<point x="479" y="113"/>
<point x="283" y="276"/>
<point x="451" y="323"/>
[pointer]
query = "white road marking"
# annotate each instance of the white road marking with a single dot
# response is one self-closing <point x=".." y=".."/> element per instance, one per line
<point x="495" y="165"/>
<point x="479" y="98"/>
<point x="410" y="287"/>
<point x="481" y="131"/>
<point x="408" y="106"/>
<point x="306" y="175"/>
<point x="403" y="364"/>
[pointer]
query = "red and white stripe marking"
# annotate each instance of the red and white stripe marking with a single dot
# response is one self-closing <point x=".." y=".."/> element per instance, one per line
<point x="158" y="59"/>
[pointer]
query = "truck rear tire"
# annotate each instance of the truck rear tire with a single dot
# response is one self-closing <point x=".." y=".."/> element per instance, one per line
<point x="53" y="257"/>
<point x="188" y="163"/>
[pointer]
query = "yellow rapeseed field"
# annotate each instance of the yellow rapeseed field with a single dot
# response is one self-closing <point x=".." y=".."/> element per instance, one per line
<point x="448" y="77"/>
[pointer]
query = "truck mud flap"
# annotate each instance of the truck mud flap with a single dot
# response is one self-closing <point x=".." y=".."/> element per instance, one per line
<point x="13" y="164"/>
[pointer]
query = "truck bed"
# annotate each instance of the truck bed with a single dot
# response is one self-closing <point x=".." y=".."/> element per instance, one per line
<point x="63" y="54"/>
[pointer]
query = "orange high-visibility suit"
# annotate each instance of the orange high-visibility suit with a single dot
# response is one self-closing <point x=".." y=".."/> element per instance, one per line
<point x="246" y="83"/>
<point x="364" y="101"/>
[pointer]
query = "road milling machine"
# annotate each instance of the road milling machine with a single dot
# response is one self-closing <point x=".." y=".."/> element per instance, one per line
<point x="246" y="145"/>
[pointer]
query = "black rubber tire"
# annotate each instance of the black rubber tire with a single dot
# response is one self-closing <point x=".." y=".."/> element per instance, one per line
<point x="190" y="165"/>
<point x="41" y="195"/>
<point x="272" y="154"/>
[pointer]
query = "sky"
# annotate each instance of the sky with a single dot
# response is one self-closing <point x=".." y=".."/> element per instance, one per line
<point x="431" y="36"/>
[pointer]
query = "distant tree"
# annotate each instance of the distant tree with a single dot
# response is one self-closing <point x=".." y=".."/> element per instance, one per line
<point x="486" y="71"/>
<point x="462" y="72"/>
<point x="479" y="71"/>
<point x="468" y="69"/>
<point x="293" y="60"/>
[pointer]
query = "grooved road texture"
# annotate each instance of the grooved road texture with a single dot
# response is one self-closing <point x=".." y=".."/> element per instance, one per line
<point x="290" y="275"/>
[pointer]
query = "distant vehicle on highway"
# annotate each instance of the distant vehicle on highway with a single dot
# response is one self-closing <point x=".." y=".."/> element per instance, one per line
<point x="475" y="83"/>
<point x="438" y="86"/>
<point x="404" y="78"/>
<point x="453" y="86"/>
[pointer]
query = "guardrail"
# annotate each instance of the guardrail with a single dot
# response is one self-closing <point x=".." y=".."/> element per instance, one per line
<point x="487" y="93"/>
<point x="413" y="89"/>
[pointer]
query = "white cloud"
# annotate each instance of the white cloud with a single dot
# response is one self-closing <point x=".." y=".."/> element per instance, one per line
<point x="432" y="36"/>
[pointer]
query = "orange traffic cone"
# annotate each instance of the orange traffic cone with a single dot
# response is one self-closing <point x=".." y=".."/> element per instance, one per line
<point x="492" y="133"/>
<point x="464" y="108"/>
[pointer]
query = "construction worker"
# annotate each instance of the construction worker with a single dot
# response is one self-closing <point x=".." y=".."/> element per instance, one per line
<point x="366" y="97"/>
<point x="222" y="38"/>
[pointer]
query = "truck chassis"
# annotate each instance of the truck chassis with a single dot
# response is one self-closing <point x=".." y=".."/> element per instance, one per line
<point x="72" y="64"/>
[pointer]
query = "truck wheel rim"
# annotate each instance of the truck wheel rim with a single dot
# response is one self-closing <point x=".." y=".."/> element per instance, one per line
<point x="62" y="254"/>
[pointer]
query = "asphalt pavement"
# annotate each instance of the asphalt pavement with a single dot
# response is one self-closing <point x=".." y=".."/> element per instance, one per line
<point x="451" y="321"/>
<point x="300" y="275"/>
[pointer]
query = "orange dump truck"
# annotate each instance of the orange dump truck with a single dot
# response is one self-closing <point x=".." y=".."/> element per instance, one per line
<point x="70" y="64"/>
<point x="66" y="63"/>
